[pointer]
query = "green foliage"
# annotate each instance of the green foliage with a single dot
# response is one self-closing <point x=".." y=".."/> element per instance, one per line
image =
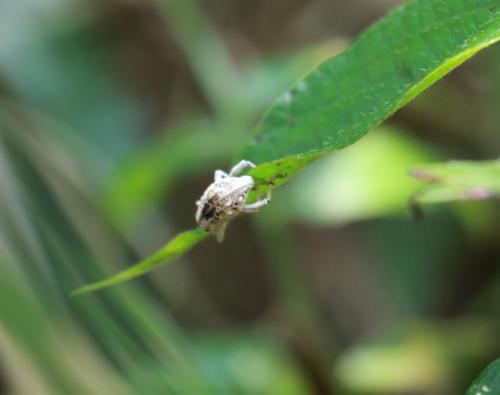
<point x="416" y="358"/>
<point x="174" y="248"/>
<point x="341" y="100"/>
<point x="458" y="180"/>
<point x="93" y="174"/>
<point x="147" y="174"/>
<point x="488" y="381"/>
<point x="389" y="64"/>
<point x="368" y="180"/>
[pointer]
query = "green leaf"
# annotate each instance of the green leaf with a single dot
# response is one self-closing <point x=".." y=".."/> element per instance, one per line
<point x="457" y="180"/>
<point x="174" y="248"/>
<point x="345" y="187"/>
<point x="337" y="103"/>
<point x="488" y="382"/>
<point x="391" y="63"/>
<point x="417" y="357"/>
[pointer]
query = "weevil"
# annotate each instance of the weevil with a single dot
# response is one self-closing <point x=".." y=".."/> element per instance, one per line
<point x="225" y="198"/>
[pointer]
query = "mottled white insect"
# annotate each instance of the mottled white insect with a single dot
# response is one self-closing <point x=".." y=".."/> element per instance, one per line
<point x="225" y="198"/>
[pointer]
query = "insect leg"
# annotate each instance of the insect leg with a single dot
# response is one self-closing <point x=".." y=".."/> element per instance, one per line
<point x="240" y="166"/>
<point x="254" y="207"/>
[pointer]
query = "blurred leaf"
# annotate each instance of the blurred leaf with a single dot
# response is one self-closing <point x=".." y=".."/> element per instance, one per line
<point x="127" y="340"/>
<point x="458" y="180"/>
<point x="488" y="381"/>
<point x="50" y="68"/>
<point x="20" y="313"/>
<point x="195" y="34"/>
<point x="145" y="177"/>
<point x="174" y="248"/>
<point x="390" y="64"/>
<point x="420" y="358"/>
<point x="247" y="363"/>
<point x="366" y="181"/>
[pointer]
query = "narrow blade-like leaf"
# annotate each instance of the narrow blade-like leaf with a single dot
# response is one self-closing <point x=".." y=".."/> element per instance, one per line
<point x="174" y="248"/>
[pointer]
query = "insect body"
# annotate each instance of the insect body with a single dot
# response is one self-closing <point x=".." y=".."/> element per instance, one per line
<point x="225" y="198"/>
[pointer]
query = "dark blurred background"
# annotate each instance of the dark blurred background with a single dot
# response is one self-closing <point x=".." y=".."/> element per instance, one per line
<point x="114" y="115"/>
